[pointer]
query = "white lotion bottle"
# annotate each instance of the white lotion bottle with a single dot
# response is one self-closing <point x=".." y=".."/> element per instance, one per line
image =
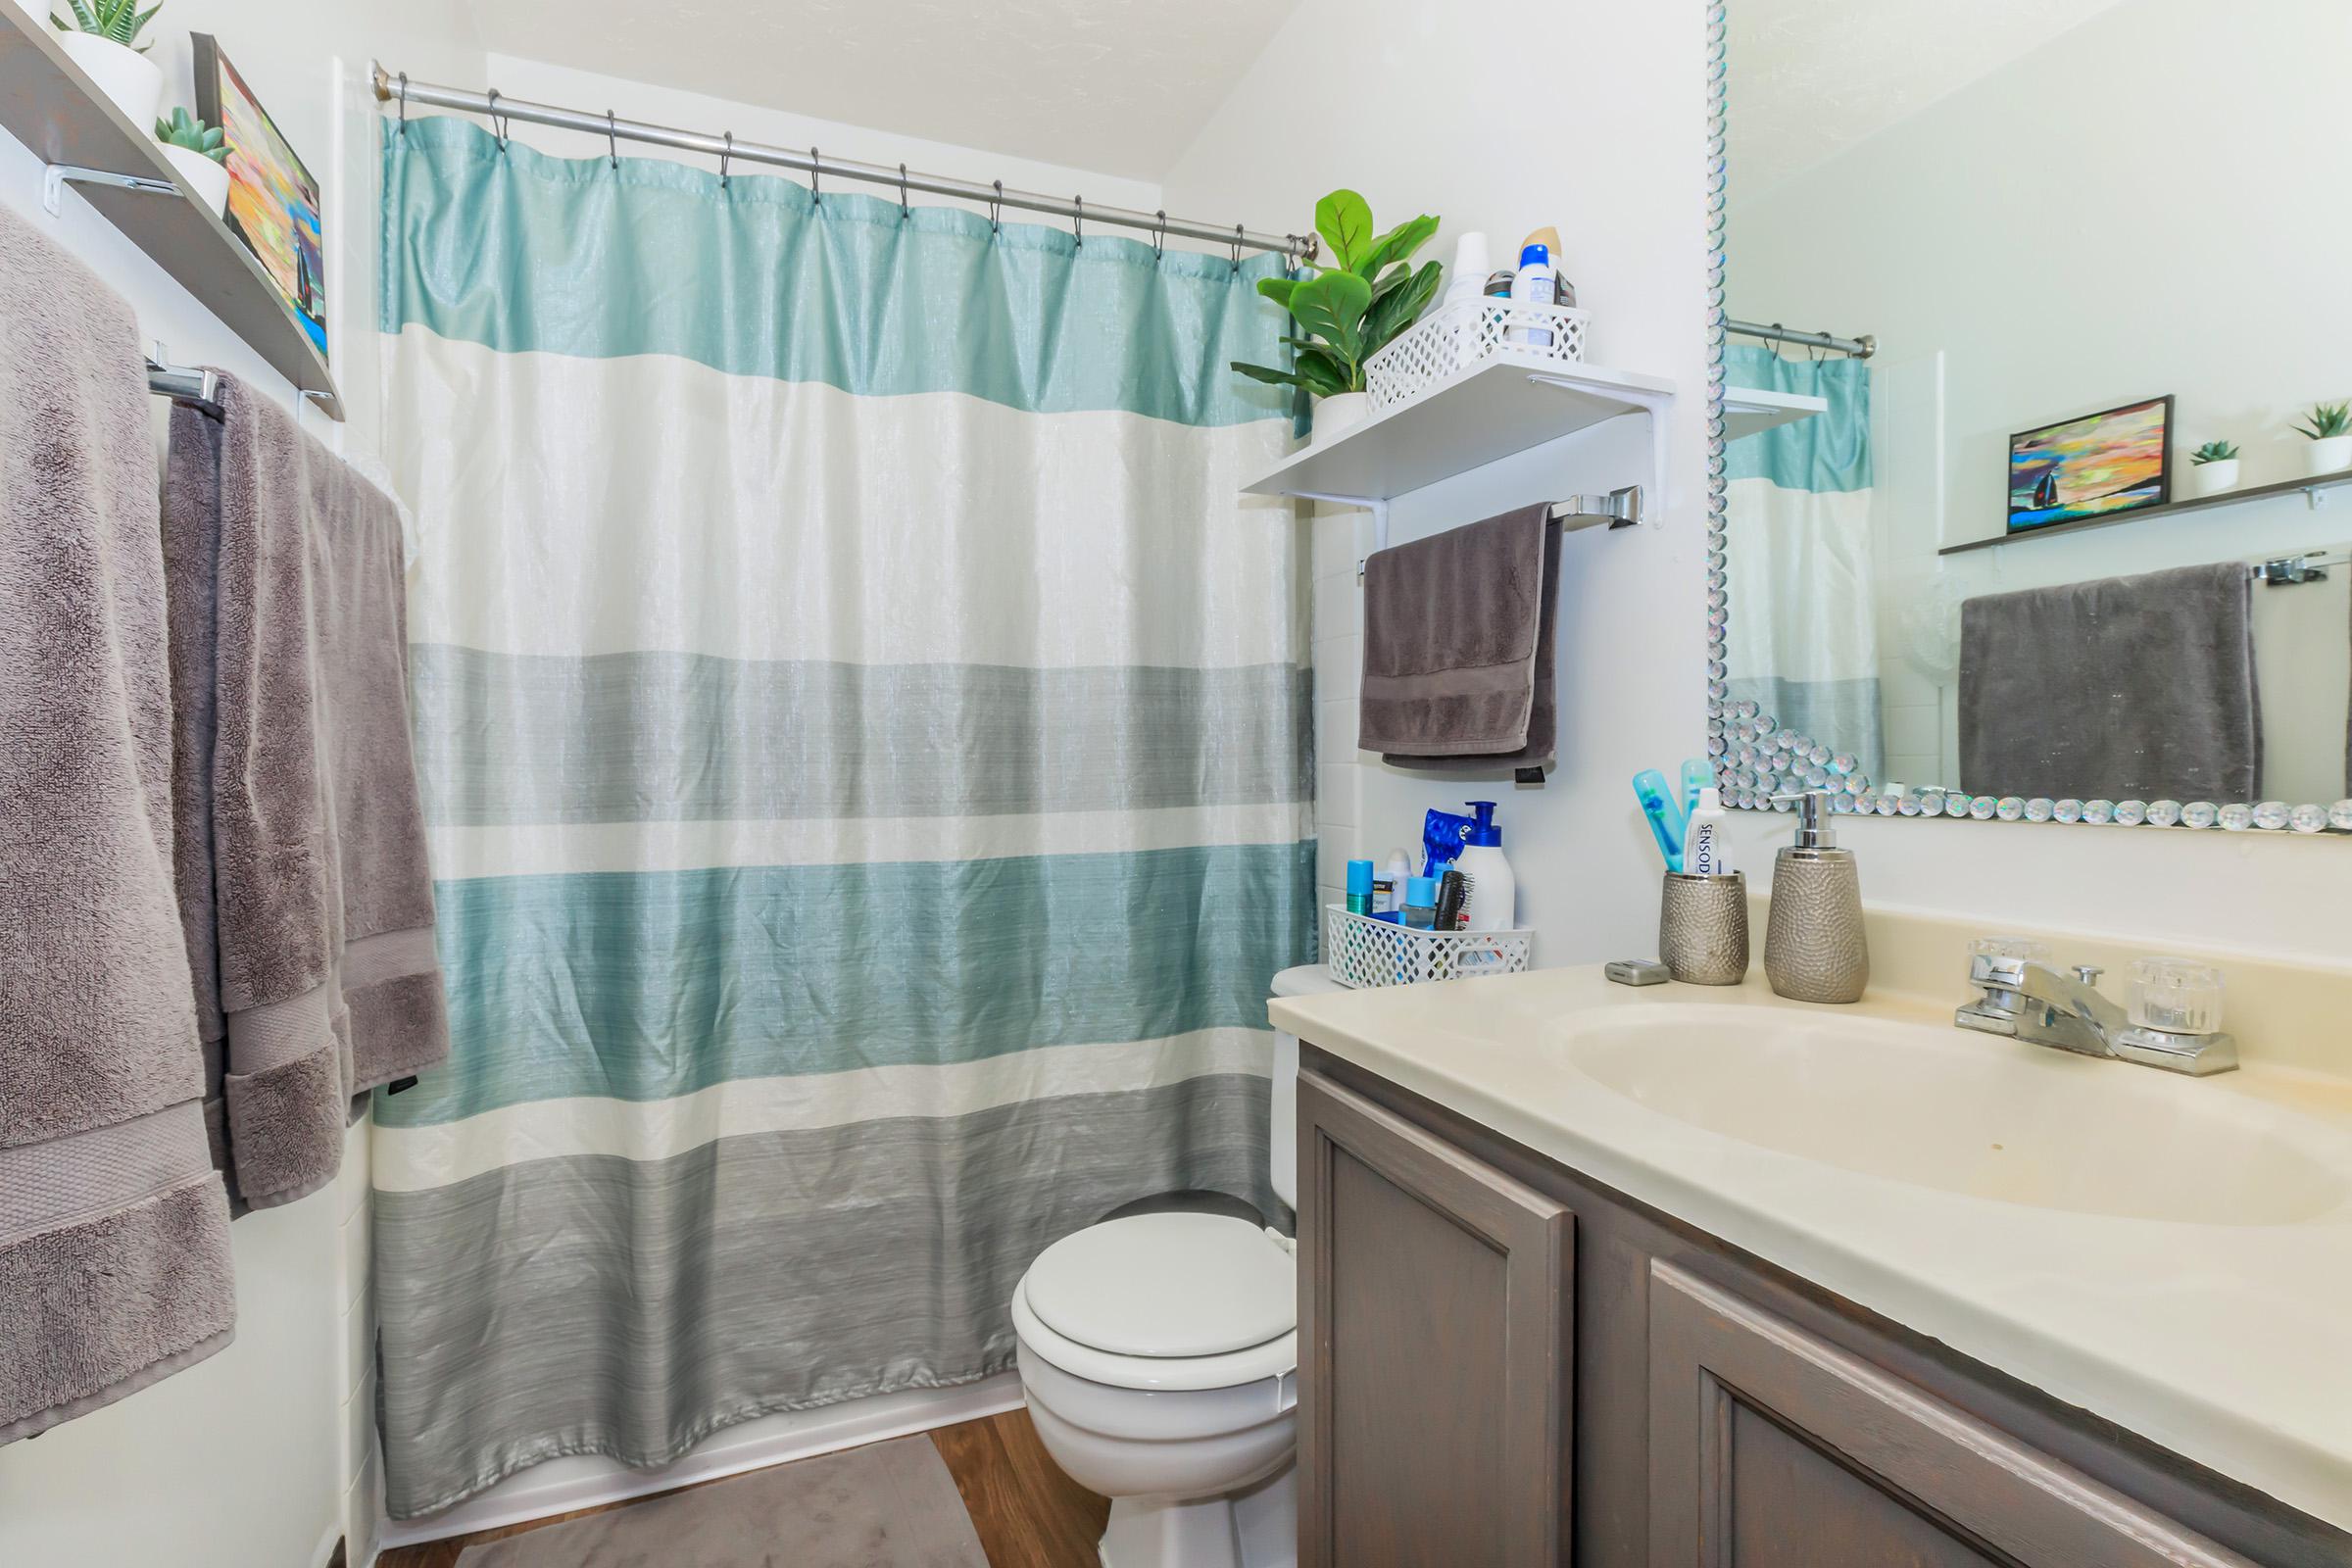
<point x="1706" y="847"/>
<point x="1532" y="285"/>
<point x="1492" y="903"/>
<point x="1395" y="873"/>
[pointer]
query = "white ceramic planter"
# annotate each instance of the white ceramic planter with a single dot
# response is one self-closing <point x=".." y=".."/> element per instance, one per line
<point x="209" y="178"/>
<point x="2212" y="478"/>
<point x="133" y="82"/>
<point x="1341" y="413"/>
<point x="2331" y="455"/>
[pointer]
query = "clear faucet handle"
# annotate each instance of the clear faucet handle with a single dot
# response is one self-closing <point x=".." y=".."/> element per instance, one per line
<point x="2025" y="950"/>
<point x="2178" y="996"/>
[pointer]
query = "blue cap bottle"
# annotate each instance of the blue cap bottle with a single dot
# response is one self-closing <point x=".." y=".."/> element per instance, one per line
<point x="1359" y="887"/>
<point x="1421" y="902"/>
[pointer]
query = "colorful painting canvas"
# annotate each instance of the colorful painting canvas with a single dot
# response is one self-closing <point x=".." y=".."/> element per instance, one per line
<point x="2095" y="467"/>
<point x="272" y="200"/>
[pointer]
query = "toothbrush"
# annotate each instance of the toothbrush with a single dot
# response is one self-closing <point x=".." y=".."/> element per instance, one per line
<point x="1665" y="819"/>
<point x="1697" y="774"/>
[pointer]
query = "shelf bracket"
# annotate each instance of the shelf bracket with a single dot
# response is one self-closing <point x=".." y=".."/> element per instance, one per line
<point x="1372" y="504"/>
<point x="57" y="176"/>
<point x="1653" y="405"/>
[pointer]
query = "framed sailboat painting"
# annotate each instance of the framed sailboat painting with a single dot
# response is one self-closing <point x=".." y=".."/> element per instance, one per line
<point x="2094" y="467"/>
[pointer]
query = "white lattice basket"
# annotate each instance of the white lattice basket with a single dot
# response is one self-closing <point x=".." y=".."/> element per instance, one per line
<point x="1363" y="951"/>
<point x="1453" y="337"/>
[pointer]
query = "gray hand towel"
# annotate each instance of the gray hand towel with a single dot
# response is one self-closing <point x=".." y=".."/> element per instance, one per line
<point x="1458" y="638"/>
<point x="2122" y="688"/>
<point x="114" y="1235"/>
<point x="303" y="880"/>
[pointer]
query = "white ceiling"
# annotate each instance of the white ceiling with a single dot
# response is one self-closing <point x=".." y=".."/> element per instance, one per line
<point x="1116" y="86"/>
<point x="1811" y="77"/>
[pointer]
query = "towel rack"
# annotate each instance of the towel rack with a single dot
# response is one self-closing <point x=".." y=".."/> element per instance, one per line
<point x="198" y="389"/>
<point x="2285" y="572"/>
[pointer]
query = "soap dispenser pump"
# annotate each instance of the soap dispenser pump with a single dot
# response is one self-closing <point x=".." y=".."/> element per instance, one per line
<point x="1814" y="946"/>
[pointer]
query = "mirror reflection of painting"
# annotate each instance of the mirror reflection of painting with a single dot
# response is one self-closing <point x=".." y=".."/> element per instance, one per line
<point x="2093" y="466"/>
<point x="272" y="200"/>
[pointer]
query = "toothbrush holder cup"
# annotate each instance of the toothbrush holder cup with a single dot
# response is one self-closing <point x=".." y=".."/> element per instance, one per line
<point x="1702" y="928"/>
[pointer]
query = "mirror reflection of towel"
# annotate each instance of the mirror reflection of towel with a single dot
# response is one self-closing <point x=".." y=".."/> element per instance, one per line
<point x="2121" y="688"/>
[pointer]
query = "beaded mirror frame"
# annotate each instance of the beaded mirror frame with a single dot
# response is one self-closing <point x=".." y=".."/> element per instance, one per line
<point x="1756" y="759"/>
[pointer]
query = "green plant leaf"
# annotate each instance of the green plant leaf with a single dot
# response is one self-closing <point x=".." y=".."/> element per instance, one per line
<point x="1401" y="308"/>
<point x="1345" y="220"/>
<point x="1332" y="305"/>
<point x="83" y="20"/>
<point x="1278" y="289"/>
<point x="1396" y="245"/>
<point x="1271" y="376"/>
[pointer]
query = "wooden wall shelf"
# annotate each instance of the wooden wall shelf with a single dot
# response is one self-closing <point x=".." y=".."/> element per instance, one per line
<point x="2314" y="489"/>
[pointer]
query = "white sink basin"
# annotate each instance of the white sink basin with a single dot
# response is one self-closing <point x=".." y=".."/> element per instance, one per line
<point x="1964" y="1113"/>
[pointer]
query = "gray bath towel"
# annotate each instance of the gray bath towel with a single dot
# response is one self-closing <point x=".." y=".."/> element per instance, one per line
<point x="1459" y="636"/>
<point x="114" y="1235"/>
<point x="2123" y="688"/>
<point x="303" y="879"/>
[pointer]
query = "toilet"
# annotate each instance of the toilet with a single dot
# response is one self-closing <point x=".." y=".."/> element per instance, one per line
<point x="1159" y="1357"/>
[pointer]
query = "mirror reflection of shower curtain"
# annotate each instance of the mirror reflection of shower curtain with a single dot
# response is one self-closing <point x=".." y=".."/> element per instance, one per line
<point x="868" y="743"/>
<point x="1804" y="636"/>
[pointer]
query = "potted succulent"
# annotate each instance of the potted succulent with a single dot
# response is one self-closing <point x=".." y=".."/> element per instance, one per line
<point x="2212" y="468"/>
<point x="1350" y="310"/>
<point x="2329" y="429"/>
<point x="103" y="39"/>
<point x="200" y="153"/>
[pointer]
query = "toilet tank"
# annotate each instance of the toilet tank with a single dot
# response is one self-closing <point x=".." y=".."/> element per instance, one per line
<point x="1308" y="979"/>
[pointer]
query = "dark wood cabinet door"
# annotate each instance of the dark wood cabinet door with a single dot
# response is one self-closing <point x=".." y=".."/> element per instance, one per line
<point x="1434" y="1331"/>
<point x="1770" y="1448"/>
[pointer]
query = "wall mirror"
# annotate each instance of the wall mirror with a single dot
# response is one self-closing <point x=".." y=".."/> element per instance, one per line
<point x="2032" y="481"/>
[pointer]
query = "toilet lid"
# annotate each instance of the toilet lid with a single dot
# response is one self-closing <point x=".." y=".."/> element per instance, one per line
<point x="1166" y="1285"/>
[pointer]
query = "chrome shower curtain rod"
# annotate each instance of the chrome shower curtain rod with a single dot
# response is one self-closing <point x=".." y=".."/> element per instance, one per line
<point x="1861" y="348"/>
<point x="397" y="88"/>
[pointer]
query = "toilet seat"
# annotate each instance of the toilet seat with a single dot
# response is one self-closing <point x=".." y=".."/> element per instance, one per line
<point x="1165" y="1301"/>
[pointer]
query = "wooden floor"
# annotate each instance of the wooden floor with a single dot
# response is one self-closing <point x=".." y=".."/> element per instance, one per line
<point x="1026" y="1512"/>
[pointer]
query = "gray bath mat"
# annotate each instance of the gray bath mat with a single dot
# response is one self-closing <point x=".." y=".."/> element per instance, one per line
<point x="892" y="1505"/>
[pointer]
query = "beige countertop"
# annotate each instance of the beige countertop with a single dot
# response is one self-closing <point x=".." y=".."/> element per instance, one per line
<point x="2229" y="1342"/>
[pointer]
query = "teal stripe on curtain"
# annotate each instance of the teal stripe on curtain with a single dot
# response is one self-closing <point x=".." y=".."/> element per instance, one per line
<point x="562" y="256"/>
<point x="1830" y="451"/>
<point x="508" y="738"/>
<point x="648" y="985"/>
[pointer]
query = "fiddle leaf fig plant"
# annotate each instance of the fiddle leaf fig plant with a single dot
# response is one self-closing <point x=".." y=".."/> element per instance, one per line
<point x="1352" y="309"/>
<point x="117" y="21"/>
<point x="2214" y="452"/>
<point x="184" y="129"/>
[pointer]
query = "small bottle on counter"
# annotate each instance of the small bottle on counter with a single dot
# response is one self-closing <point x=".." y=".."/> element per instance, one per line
<point x="1359" y="887"/>
<point x="1421" y="902"/>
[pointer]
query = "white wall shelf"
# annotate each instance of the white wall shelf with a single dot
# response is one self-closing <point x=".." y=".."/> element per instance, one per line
<point x="1748" y="410"/>
<point x="48" y="104"/>
<point x="1485" y="411"/>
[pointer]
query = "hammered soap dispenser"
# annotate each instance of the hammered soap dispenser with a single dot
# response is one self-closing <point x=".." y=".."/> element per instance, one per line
<point x="1814" y="949"/>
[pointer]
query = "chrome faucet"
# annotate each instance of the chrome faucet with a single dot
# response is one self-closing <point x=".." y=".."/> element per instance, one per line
<point x="2030" y="1001"/>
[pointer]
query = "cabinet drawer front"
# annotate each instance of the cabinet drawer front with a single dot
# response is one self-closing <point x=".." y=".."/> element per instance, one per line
<point x="1434" y="1321"/>
<point x="1769" y="1446"/>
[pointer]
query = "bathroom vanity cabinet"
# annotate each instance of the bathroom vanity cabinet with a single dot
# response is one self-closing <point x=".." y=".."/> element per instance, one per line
<point x="1505" y="1363"/>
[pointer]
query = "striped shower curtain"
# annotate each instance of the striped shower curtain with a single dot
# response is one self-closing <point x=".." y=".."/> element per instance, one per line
<point x="866" y="744"/>
<point x="1804" y="641"/>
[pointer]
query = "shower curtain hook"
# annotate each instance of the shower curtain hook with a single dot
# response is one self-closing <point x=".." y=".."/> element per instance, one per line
<point x="1159" y="236"/>
<point x="728" y="153"/>
<point x="497" y="125"/>
<point x="611" y="140"/>
<point x="905" y="211"/>
<point x="404" y="103"/>
<point x="817" y="177"/>
<point x="995" y="210"/>
<point x="1237" y="250"/>
<point x="1078" y="221"/>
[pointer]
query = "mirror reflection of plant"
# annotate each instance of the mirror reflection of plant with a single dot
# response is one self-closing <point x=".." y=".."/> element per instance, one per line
<point x="2214" y="452"/>
<point x="184" y="129"/>
<point x="1354" y="307"/>
<point x="2326" y="421"/>
<point x="117" y="21"/>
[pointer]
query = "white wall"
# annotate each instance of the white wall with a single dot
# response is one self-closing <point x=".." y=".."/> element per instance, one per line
<point x="1484" y="134"/>
<point x="261" y="1455"/>
<point x="2113" y="216"/>
<point x="1504" y="116"/>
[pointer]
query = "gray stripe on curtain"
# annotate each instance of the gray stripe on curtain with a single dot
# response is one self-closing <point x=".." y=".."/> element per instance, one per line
<point x="591" y="1304"/>
<point x="508" y="738"/>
